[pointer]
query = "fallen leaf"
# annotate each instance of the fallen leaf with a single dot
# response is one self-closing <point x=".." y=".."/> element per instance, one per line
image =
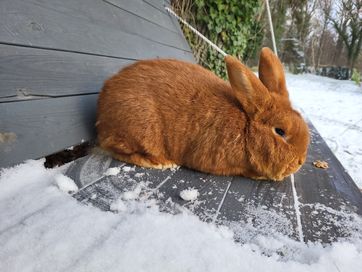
<point x="320" y="164"/>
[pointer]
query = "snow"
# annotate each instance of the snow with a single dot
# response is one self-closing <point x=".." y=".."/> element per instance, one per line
<point x="44" y="229"/>
<point x="128" y="169"/>
<point x="118" y="206"/>
<point x="189" y="194"/>
<point x="66" y="184"/>
<point x="131" y="195"/>
<point x="113" y="171"/>
<point x="335" y="109"/>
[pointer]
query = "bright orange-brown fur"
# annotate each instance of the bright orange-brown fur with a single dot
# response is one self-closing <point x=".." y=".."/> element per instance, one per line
<point x="161" y="113"/>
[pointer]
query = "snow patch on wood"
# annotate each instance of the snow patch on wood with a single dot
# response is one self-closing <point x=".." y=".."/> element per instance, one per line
<point x="189" y="194"/>
<point x="113" y="171"/>
<point x="66" y="184"/>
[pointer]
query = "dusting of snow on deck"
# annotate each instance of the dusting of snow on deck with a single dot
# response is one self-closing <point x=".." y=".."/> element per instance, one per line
<point x="133" y="194"/>
<point x="189" y="194"/>
<point x="128" y="168"/>
<point x="44" y="229"/>
<point x="335" y="109"/>
<point x="113" y="171"/>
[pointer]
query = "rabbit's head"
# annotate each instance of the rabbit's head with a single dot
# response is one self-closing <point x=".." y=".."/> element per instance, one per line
<point x="277" y="137"/>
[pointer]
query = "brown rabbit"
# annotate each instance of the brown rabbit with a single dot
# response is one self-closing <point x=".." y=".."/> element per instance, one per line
<point x="163" y="113"/>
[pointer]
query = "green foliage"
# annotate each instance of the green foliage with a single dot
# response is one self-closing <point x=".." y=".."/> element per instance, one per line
<point x="231" y="24"/>
<point x="356" y="77"/>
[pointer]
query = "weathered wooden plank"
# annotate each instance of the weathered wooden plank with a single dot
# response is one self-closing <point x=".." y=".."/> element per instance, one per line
<point x="234" y="203"/>
<point x="174" y="20"/>
<point x="143" y="10"/>
<point x="211" y="191"/>
<point x="35" y="128"/>
<point x="164" y="186"/>
<point x="328" y="197"/>
<point x="175" y="39"/>
<point x="32" y="25"/>
<point x="110" y="17"/>
<point x="27" y="72"/>
<point x="334" y="184"/>
<point x="101" y="190"/>
<point x="260" y="203"/>
<point x="158" y="4"/>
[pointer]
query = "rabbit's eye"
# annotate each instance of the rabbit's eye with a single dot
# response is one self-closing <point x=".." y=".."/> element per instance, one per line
<point x="280" y="132"/>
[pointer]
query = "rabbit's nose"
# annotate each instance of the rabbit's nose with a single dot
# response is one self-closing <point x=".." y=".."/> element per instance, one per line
<point x="300" y="161"/>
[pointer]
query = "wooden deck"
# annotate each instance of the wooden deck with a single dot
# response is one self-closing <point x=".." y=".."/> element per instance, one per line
<point x="306" y="209"/>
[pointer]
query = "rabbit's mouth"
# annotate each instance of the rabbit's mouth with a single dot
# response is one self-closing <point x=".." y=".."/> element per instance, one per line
<point x="292" y="168"/>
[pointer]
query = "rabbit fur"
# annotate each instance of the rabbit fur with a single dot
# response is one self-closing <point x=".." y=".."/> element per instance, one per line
<point x="162" y="113"/>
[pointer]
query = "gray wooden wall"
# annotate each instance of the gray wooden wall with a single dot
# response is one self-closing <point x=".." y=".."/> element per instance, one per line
<point x="54" y="57"/>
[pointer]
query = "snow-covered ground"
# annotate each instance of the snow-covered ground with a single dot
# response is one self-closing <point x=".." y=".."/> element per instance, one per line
<point x="43" y="228"/>
<point x="335" y="109"/>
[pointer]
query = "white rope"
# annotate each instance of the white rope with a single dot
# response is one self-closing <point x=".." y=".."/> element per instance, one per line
<point x="196" y="32"/>
<point x="271" y="27"/>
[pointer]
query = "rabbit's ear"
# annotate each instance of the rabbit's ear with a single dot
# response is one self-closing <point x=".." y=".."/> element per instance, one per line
<point x="271" y="72"/>
<point x="248" y="89"/>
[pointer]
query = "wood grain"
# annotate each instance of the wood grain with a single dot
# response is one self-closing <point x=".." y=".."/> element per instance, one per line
<point x="28" y="72"/>
<point x="44" y="126"/>
<point x="29" y="24"/>
<point x="143" y="10"/>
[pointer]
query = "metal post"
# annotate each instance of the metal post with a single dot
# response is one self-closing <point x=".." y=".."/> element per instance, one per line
<point x="271" y="27"/>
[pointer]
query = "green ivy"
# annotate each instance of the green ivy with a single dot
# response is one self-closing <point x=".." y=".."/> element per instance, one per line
<point x="230" y="24"/>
